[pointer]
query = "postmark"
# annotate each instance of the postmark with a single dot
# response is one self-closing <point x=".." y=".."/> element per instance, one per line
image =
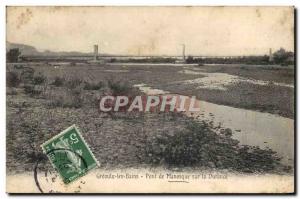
<point x="69" y="154"/>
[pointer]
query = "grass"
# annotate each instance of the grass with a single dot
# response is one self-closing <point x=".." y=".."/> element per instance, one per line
<point x="11" y="91"/>
<point x="27" y="75"/>
<point x="265" y="73"/>
<point x="93" y="86"/>
<point x="23" y="142"/>
<point x="58" y="81"/>
<point x="119" y="88"/>
<point x="66" y="99"/>
<point x="39" y="79"/>
<point x="156" y="139"/>
<point x="12" y="79"/>
<point x="31" y="90"/>
<point x="73" y="83"/>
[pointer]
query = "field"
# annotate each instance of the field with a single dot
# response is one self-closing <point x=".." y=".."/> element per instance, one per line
<point x="43" y="100"/>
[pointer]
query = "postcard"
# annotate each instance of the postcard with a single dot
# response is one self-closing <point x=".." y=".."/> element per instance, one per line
<point x="120" y="99"/>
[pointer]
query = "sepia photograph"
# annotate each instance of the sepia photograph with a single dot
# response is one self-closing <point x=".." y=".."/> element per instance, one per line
<point x="150" y="99"/>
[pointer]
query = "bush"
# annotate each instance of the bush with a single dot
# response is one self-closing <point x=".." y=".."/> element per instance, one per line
<point x="119" y="88"/>
<point x="12" y="79"/>
<point x="73" y="83"/>
<point x="18" y="66"/>
<point x="58" y="81"/>
<point x="31" y="90"/>
<point x="200" y="146"/>
<point x="24" y="138"/>
<point x="283" y="57"/>
<point x="71" y="99"/>
<point x="190" y="60"/>
<point x="13" y="55"/>
<point x="93" y="86"/>
<point x="27" y="75"/>
<point x="39" y="79"/>
<point x="33" y="139"/>
<point x="11" y="91"/>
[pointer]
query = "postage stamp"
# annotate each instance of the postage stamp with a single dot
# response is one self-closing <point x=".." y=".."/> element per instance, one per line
<point x="169" y="99"/>
<point x="69" y="154"/>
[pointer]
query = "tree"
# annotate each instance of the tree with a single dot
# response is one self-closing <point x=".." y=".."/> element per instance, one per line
<point x="189" y="60"/>
<point x="282" y="56"/>
<point x="12" y="55"/>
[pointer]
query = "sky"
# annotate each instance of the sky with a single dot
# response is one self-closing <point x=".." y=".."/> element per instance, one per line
<point x="207" y="31"/>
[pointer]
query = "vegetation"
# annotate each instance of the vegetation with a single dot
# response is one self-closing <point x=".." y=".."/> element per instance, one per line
<point x="58" y="81"/>
<point x="12" y="79"/>
<point x="73" y="83"/>
<point x="31" y="90"/>
<point x="118" y="87"/>
<point x="283" y="57"/>
<point x="93" y="86"/>
<point x="27" y="75"/>
<point x="66" y="99"/>
<point x="39" y="79"/>
<point x="30" y="136"/>
<point x="199" y="146"/>
<point x="145" y="60"/>
<point x="157" y="139"/>
<point x="12" y="55"/>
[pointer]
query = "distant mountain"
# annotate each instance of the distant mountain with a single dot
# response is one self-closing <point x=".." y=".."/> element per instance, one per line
<point x="28" y="50"/>
<point x="25" y="49"/>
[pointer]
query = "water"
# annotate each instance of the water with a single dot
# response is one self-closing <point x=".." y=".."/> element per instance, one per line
<point x="221" y="81"/>
<point x="253" y="128"/>
<point x="249" y="127"/>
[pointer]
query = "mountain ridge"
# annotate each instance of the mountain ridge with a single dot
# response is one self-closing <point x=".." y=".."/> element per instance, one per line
<point x="28" y="50"/>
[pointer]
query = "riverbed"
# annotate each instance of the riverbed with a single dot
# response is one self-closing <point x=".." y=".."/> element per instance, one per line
<point x="250" y="127"/>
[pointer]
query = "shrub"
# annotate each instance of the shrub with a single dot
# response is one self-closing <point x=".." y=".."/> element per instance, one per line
<point x="58" y="81"/>
<point x="39" y="79"/>
<point x="13" y="55"/>
<point x="119" y="88"/>
<point x="70" y="99"/>
<point x="33" y="140"/>
<point x="27" y="75"/>
<point x="11" y="91"/>
<point x="23" y="143"/>
<point x="76" y="99"/>
<point x="73" y="83"/>
<point x="93" y="86"/>
<point x="18" y="66"/>
<point x="200" y="146"/>
<point x="12" y="79"/>
<point x="31" y="90"/>
<point x="190" y="60"/>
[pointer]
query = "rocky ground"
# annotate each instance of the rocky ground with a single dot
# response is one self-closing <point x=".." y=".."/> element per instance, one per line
<point x="39" y="109"/>
<point x="266" y="88"/>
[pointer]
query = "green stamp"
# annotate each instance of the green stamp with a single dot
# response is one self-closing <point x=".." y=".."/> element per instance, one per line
<point x="69" y="154"/>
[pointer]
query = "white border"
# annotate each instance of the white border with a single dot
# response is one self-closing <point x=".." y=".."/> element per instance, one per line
<point x="152" y="2"/>
<point x="3" y="3"/>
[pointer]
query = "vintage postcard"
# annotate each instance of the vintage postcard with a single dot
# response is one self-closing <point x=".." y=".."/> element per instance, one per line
<point x="150" y="99"/>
